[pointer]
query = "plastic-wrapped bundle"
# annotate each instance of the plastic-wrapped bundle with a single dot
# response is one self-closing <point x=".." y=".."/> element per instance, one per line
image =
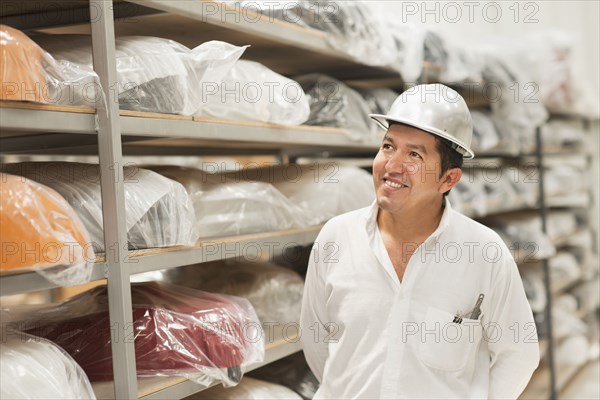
<point x="500" y="193"/>
<point x="275" y="292"/>
<point x="177" y="331"/>
<point x="251" y="91"/>
<point x="517" y="115"/>
<point x="574" y="350"/>
<point x="564" y="317"/>
<point x="28" y="73"/>
<point x="564" y="179"/>
<point x="248" y="389"/>
<point x="35" y="368"/>
<point x="328" y="189"/>
<point x="332" y="103"/>
<point x="485" y="136"/>
<point x="455" y="64"/>
<point x="33" y="217"/>
<point x="229" y="206"/>
<point x="546" y="56"/>
<point x="379" y="100"/>
<point x="351" y="25"/>
<point x="560" y="134"/>
<point x="587" y="294"/>
<point x="533" y="283"/>
<point x="408" y="40"/>
<point x="564" y="266"/>
<point x="471" y="190"/>
<point x="523" y="233"/>
<point x="526" y="184"/>
<point x="159" y="212"/>
<point x="293" y="372"/>
<point x="560" y="224"/>
<point x="154" y="74"/>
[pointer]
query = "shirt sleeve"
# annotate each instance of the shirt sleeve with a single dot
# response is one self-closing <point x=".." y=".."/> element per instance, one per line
<point x="511" y="334"/>
<point x="313" y="319"/>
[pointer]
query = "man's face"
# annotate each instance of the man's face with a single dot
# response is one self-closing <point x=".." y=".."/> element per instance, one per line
<point x="406" y="171"/>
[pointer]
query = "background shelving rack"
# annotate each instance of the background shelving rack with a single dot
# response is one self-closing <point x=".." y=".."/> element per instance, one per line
<point x="108" y="132"/>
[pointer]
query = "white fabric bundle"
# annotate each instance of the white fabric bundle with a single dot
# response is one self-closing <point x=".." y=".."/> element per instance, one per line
<point x="228" y="206"/>
<point x="250" y="91"/>
<point x="154" y="74"/>
<point x="35" y="368"/>
<point x="485" y="135"/>
<point x="329" y="189"/>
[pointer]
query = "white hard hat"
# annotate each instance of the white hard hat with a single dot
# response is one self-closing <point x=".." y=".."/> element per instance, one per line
<point x="436" y="109"/>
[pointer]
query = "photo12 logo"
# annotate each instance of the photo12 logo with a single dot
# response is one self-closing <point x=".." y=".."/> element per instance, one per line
<point x="469" y="12"/>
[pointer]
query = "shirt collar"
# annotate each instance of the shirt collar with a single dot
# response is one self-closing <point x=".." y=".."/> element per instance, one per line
<point x="371" y="220"/>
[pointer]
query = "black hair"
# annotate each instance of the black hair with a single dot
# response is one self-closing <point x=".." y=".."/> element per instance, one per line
<point x="449" y="157"/>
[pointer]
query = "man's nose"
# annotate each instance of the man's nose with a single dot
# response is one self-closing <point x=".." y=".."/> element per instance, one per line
<point x="399" y="163"/>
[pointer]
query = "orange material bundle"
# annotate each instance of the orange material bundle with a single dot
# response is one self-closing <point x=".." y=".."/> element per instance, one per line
<point x="22" y="76"/>
<point x="38" y="228"/>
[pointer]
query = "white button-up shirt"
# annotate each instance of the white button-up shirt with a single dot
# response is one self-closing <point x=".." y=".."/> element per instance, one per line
<point x="367" y="335"/>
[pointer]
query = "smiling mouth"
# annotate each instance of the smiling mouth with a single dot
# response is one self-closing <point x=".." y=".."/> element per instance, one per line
<point x="393" y="185"/>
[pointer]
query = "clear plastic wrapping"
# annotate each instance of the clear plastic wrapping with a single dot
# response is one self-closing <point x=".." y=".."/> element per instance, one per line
<point x="516" y="113"/>
<point x="523" y="235"/>
<point x="177" y="331"/>
<point x="485" y="135"/>
<point x="153" y="74"/>
<point x="35" y="368"/>
<point x="28" y="73"/>
<point x="159" y="212"/>
<point x="564" y="179"/>
<point x="248" y="389"/>
<point x="275" y="292"/>
<point x="40" y="231"/>
<point x="333" y="103"/>
<point x="408" y="40"/>
<point x="228" y="205"/>
<point x="292" y="372"/>
<point x="328" y="189"/>
<point x="533" y="283"/>
<point x="564" y="317"/>
<point x="562" y="134"/>
<point x="471" y="190"/>
<point x="352" y="26"/>
<point x="379" y="100"/>
<point x="450" y="62"/>
<point x="560" y="224"/>
<point x="574" y="350"/>
<point x="564" y="267"/>
<point x="251" y="91"/>
<point x="547" y="57"/>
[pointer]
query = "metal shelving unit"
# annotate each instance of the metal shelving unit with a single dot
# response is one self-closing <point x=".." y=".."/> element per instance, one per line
<point x="46" y="129"/>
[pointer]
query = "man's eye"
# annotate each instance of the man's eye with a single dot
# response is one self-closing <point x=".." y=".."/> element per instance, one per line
<point x="415" y="154"/>
<point x="386" y="146"/>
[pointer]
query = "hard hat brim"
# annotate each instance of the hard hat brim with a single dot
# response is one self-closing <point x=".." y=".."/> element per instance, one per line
<point x="383" y="121"/>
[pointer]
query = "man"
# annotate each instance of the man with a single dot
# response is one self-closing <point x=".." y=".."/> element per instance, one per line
<point x="408" y="298"/>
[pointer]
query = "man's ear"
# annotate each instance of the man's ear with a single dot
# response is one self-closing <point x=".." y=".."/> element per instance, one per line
<point x="450" y="179"/>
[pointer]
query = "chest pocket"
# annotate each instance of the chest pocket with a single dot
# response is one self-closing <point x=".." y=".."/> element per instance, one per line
<point x="447" y="345"/>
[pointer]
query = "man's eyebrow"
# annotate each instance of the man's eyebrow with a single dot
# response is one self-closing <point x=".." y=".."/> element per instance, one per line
<point x="388" y="138"/>
<point x="419" y="147"/>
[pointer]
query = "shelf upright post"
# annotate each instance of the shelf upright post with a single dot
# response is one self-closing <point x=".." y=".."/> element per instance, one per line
<point x="546" y="265"/>
<point x="113" y="201"/>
